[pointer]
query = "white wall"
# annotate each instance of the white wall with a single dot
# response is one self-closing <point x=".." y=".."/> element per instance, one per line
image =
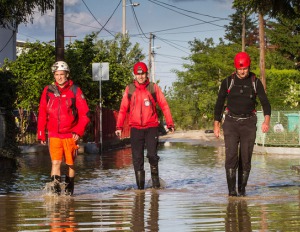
<point x="8" y="39"/>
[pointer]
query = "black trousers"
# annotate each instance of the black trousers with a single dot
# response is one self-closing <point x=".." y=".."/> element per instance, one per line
<point x="239" y="137"/>
<point x="139" y="139"/>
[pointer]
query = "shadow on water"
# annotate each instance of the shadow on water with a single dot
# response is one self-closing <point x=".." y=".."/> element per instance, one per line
<point x="194" y="197"/>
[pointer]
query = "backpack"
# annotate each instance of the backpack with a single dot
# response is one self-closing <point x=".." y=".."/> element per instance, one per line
<point x="254" y="83"/>
<point x="150" y="88"/>
<point x="53" y="89"/>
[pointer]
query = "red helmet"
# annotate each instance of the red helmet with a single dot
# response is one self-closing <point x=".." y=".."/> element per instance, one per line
<point x="139" y="68"/>
<point x="242" y="60"/>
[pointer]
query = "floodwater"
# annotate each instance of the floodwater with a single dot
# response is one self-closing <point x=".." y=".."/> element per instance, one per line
<point x="194" y="197"/>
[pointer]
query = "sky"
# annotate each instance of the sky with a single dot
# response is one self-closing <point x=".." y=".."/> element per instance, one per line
<point x="173" y="22"/>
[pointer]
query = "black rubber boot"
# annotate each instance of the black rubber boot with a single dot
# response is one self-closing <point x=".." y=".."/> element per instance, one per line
<point x="155" y="177"/>
<point x="69" y="188"/>
<point x="55" y="189"/>
<point x="140" y="179"/>
<point x="231" y="182"/>
<point x="242" y="183"/>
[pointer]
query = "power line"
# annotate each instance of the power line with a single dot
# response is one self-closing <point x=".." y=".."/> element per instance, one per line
<point x="173" y="44"/>
<point x="137" y="21"/>
<point x="165" y="55"/>
<point x="175" y="28"/>
<point x="193" y="12"/>
<point x="165" y="62"/>
<point x="208" y="22"/>
<point x="188" y="32"/>
<point x="102" y="27"/>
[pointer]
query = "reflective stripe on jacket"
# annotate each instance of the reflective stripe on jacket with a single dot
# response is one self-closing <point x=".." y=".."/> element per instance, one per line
<point x="56" y="113"/>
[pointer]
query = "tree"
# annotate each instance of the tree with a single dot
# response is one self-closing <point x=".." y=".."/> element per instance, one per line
<point x="21" y="11"/>
<point x="32" y="69"/>
<point x="192" y="97"/>
<point x="234" y="31"/>
<point x="284" y="36"/>
<point x="268" y="7"/>
<point x="118" y="52"/>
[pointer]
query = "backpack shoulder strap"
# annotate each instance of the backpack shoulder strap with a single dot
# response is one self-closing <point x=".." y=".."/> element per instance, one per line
<point x="254" y="82"/>
<point x="52" y="89"/>
<point x="74" y="89"/>
<point x="151" y="89"/>
<point x="229" y="86"/>
<point x="131" y="90"/>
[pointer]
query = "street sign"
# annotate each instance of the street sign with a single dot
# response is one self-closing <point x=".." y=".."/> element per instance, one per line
<point x="100" y="71"/>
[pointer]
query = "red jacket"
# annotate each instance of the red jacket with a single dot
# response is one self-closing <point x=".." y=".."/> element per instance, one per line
<point x="56" y="113"/>
<point x="142" y="106"/>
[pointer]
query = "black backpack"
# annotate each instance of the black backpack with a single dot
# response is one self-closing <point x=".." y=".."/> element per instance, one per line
<point x="229" y="86"/>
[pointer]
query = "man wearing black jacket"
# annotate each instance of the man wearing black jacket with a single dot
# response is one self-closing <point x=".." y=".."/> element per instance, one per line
<point x="239" y="127"/>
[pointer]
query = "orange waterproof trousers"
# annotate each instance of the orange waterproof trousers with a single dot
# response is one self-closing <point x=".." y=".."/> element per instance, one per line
<point x="63" y="149"/>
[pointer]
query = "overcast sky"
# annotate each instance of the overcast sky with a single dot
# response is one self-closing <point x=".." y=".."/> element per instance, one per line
<point x="173" y="22"/>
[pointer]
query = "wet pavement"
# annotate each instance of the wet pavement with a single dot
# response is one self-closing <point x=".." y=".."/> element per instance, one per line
<point x="194" y="197"/>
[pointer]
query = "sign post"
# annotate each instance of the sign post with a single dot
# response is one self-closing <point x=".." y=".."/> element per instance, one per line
<point x="100" y="73"/>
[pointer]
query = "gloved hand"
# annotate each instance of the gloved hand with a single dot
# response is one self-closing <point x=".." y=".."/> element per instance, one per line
<point x="119" y="133"/>
<point x="171" y="129"/>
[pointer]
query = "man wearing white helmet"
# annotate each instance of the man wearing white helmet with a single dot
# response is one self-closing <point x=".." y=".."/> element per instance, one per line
<point x="63" y="114"/>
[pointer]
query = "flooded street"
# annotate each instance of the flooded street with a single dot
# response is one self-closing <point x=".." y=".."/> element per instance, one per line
<point x="194" y="197"/>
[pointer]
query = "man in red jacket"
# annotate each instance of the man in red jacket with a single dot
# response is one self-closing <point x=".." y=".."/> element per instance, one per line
<point x="144" y="122"/>
<point x="63" y="113"/>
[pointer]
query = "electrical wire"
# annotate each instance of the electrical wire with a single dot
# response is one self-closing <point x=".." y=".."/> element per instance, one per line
<point x="110" y="16"/>
<point x="193" y="12"/>
<point x="137" y="21"/>
<point x="206" y="22"/>
<point x="102" y="27"/>
<point x="173" y="44"/>
<point x="187" y="32"/>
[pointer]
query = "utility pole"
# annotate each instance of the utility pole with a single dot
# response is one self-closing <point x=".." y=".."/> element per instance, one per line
<point x="262" y="49"/>
<point x="134" y="4"/>
<point x="70" y="36"/>
<point x="124" y="17"/>
<point x="59" y="30"/>
<point x="150" y="51"/>
<point x="152" y="66"/>
<point x="151" y="58"/>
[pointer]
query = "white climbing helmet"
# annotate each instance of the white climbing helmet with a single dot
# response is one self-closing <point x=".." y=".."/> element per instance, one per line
<point x="60" y="66"/>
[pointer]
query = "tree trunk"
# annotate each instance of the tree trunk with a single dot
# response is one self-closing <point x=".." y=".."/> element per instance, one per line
<point x="243" y="32"/>
<point x="262" y="49"/>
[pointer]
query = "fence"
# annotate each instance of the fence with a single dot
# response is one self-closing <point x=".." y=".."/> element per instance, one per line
<point x="27" y="127"/>
<point x="284" y="129"/>
<point x="26" y="123"/>
<point x="109" y="119"/>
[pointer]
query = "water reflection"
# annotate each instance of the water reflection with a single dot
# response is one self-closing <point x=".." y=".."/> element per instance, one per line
<point x="138" y="212"/>
<point x="61" y="213"/>
<point x="145" y="217"/>
<point x="237" y="216"/>
<point x="195" y="197"/>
